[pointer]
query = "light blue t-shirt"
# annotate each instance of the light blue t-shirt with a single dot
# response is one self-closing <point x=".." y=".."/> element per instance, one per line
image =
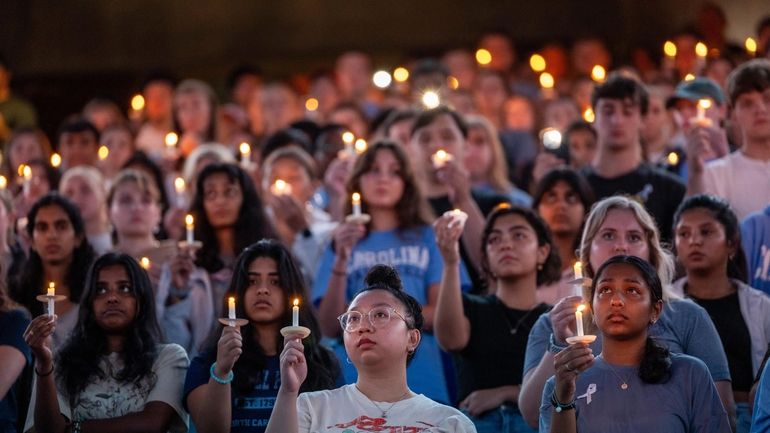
<point x="683" y="327"/>
<point x="755" y="234"/>
<point x="687" y="402"/>
<point x="415" y="255"/>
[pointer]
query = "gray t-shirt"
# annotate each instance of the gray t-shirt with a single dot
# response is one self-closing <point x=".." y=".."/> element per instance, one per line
<point x="687" y="402"/>
<point x="683" y="327"/>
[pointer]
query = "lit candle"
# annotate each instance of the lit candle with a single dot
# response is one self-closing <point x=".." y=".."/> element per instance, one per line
<point x="578" y="269"/>
<point x="27" y="175"/>
<point x="311" y="104"/>
<point x="673" y="158"/>
<point x="103" y="152"/>
<point x="137" y="105"/>
<point x="231" y="308"/>
<point x="245" y="150"/>
<point x="703" y="105"/>
<point x="3" y="182"/>
<point x="537" y="63"/>
<point x="547" y="83"/>
<point x="179" y="188"/>
<point x="669" y="50"/>
<point x="579" y="319"/>
<point x="401" y="74"/>
<point x="280" y="187"/>
<point x="589" y="115"/>
<point x="51" y="293"/>
<point x="751" y="46"/>
<point x="431" y="99"/>
<point x="458" y="218"/>
<point x="348" y="138"/>
<point x="701" y="51"/>
<point x="295" y="313"/>
<point x="360" y="146"/>
<point x="171" y="140"/>
<point x="55" y="160"/>
<point x="356" y="204"/>
<point x="598" y="73"/>
<point x="144" y="262"/>
<point x="189" y="224"/>
<point x="440" y="158"/>
<point x="483" y="57"/>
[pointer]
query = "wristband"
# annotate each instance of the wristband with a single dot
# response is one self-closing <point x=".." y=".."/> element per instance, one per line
<point x="219" y="380"/>
<point x="553" y="347"/>
<point x="39" y="374"/>
<point x="559" y="407"/>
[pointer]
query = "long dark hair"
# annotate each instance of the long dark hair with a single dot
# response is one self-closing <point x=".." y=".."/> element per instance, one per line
<point x="323" y="368"/>
<point x="78" y="361"/>
<point x="251" y="225"/>
<point x="656" y="360"/>
<point x="550" y="272"/>
<point x="29" y="282"/>
<point x="719" y="209"/>
<point x="411" y="209"/>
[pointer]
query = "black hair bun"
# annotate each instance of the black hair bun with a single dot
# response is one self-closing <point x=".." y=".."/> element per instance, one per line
<point x="383" y="275"/>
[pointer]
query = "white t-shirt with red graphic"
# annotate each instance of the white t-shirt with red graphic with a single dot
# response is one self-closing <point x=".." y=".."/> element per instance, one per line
<point x="346" y="409"/>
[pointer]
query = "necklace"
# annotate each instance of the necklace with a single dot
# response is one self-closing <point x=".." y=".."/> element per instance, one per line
<point x="513" y="329"/>
<point x="384" y="411"/>
<point x="624" y="382"/>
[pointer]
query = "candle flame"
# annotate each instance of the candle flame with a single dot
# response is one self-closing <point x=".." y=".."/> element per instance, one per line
<point x="103" y="152"/>
<point x="137" y="102"/>
<point x="453" y="82"/>
<point x="296" y="302"/>
<point x="581" y="308"/>
<point x="704" y="103"/>
<point x="51" y="289"/>
<point x="348" y="137"/>
<point x="430" y="99"/>
<point x="382" y="79"/>
<point x="55" y="160"/>
<point x="244" y="148"/>
<point x="537" y="62"/>
<point x="598" y="73"/>
<point x="179" y="185"/>
<point x="356" y="197"/>
<point x="751" y="45"/>
<point x="26" y="172"/>
<point x="144" y="262"/>
<point x="689" y="77"/>
<point x="673" y="158"/>
<point x="547" y="81"/>
<point x="701" y="50"/>
<point x="188" y="220"/>
<point x="669" y="49"/>
<point x="483" y="56"/>
<point x="360" y="146"/>
<point x="171" y="139"/>
<point x="3" y="182"/>
<point x="589" y="115"/>
<point x="311" y="104"/>
<point x="401" y="74"/>
<point x="231" y="299"/>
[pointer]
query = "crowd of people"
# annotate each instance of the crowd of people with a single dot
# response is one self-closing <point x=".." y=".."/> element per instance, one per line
<point x="468" y="243"/>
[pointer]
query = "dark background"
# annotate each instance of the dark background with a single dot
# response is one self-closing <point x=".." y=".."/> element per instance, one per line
<point x="65" y="52"/>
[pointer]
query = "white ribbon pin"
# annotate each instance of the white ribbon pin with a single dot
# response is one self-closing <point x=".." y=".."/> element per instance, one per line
<point x="591" y="389"/>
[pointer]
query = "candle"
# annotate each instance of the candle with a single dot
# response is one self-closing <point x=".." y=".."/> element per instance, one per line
<point x="440" y="158"/>
<point x="27" y="175"/>
<point x="751" y="46"/>
<point x="669" y="50"/>
<point x="311" y="104"/>
<point x="547" y="83"/>
<point x="356" y="199"/>
<point x="171" y="140"/>
<point x="578" y="269"/>
<point x="401" y="74"/>
<point x="360" y="146"/>
<point x="579" y="319"/>
<point x="103" y="152"/>
<point x="3" y="182"/>
<point x="431" y="99"/>
<point x="179" y="188"/>
<point x="281" y="187"/>
<point x="703" y="105"/>
<point x="245" y="150"/>
<point x="483" y="57"/>
<point x="598" y="73"/>
<point x="55" y="160"/>
<point x="295" y="313"/>
<point x="137" y="105"/>
<point x="231" y="308"/>
<point x="348" y="138"/>
<point x="144" y="262"/>
<point x="701" y="51"/>
<point x="537" y="63"/>
<point x="189" y="224"/>
<point x="50" y="294"/>
<point x="589" y="115"/>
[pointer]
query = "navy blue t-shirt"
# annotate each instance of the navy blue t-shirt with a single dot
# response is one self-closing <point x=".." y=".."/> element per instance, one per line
<point x="12" y="326"/>
<point x="250" y="412"/>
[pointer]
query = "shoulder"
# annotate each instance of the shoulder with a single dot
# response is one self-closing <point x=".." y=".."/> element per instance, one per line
<point x="660" y="175"/>
<point x="15" y="315"/>
<point x="682" y="364"/>
<point x="445" y="416"/>
<point x="172" y="355"/>
<point x="727" y="162"/>
<point x="333" y="396"/>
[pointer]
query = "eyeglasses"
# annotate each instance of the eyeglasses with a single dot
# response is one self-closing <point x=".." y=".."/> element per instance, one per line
<point x="379" y="317"/>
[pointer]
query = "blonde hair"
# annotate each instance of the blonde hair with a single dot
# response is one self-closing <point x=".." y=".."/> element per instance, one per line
<point x="497" y="174"/>
<point x="145" y="184"/>
<point x="90" y="175"/>
<point x="660" y="258"/>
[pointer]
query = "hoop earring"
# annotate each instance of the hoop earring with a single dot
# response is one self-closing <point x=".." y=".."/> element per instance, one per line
<point x="347" y="360"/>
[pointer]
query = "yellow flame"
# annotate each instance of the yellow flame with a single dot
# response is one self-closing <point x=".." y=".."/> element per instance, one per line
<point x="296" y="302"/>
<point x="751" y="45"/>
<point x="547" y="81"/>
<point x="244" y="148"/>
<point x="673" y="158"/>
<point x="401" y="74"/>
<point x="453" y="82"/>
<point x="360" y="146"/>
<point x="26" y="172"/>
<point x="137" y="102"/>
<point x="701" y="50"/>
<point x="483" y="56"/>
<point x="704" y="103"/>
<point x="55" y="160"/>
<point x="588" y="115"/>
<point x="171" y="139"/>
<point x="311" y="104"/>
<point x="430" y="99"/>
<point x="581" y="308"/>
<point x="3" y="182"/>
<point x="103" y="152"/>
<point x="356" y="198"/>
<point x="537" y="62"/>
<point x="689" y="77"/>
<point x="144" y="262"/>
<point x="189" y="220"/>
<point x="348" y="137"/>
<point x="179" y="185"/>
<point x="669" y="49"/>
<point x="598" y="73"/>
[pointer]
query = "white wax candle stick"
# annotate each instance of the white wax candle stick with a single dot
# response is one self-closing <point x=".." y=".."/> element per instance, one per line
<point x="295" y="313"/>
<point x="231" y="308"/>
<point x="579" y="320"/>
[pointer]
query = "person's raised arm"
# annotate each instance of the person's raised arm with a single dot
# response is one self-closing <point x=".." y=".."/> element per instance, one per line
<point x="210" y="404"/>
<point x="333" y="302"/>
<point x="451" y="327"/>
<point x="38" y="336"/>
<point x="293" y="373"/>
<point x="460" y="196"/>
<point x="697" y="145"/>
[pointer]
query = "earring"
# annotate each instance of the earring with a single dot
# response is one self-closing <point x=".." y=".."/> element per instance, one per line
<point x="539" y="266"/>
<point x="347" y="359"/>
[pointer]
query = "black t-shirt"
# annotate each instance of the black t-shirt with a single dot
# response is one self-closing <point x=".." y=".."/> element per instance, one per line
<point x="486" y="202"/>
<point x="659" y="191"/>
<point x="726" y="315"/>
<point x="494" y="355"/>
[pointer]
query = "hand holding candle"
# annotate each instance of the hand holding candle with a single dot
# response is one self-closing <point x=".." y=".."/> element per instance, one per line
<point x="578" y="270"/>
<point x="357" y="216"/>
<point x="295" y="327"/>
<point x="232" y="319"/>
<point x="580" y="336"/>
<point x="701" y="119"/>
<point x="440" y="158"/>
<point x="281" y="187"/>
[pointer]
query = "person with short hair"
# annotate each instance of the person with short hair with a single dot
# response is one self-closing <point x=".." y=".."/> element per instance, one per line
<point x="78" y="143"/>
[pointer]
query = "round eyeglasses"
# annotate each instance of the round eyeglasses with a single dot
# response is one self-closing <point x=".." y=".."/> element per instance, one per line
<point x="378" y="317"/>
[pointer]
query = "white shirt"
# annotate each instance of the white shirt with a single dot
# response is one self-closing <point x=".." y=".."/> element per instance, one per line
<point x="742" y="181"/>
<point x="347" y="409"/>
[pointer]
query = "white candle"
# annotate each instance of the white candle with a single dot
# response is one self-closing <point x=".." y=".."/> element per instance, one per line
<point x="350" y="152"/>
<point x="295" y="313"/>
<point x="440" y="158"/>
<point x="356" y="200"/>
<point x="50" y="294"/>
<point x="669" y="49"/>
<point x="231" y="308"/>
<point x="27" y="174"/>
<point x="579" y="319"/>
<point x="189" y="224"/>
<point x="144" y="262"/>
<point x="245" y="150"/>
<point x="701" y="119"/>
<point x="179" y="188"/>
<point x="171" y="140"/>
<point x="578" y="269"/>
<point x="3" y="182"/>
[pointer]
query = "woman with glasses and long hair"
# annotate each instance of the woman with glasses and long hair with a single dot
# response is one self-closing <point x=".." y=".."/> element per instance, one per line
<point x="381" y="329"/>
<point x="231" y="385"/>
<point x="113" y="374"/>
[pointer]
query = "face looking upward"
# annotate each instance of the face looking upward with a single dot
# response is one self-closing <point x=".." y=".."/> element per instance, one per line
<point x="622" y="303"/>
<point x="619" y="233"/>
<point x="114" y="301"/>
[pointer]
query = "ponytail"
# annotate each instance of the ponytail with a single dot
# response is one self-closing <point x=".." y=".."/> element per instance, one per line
<point x="656" y="363"/>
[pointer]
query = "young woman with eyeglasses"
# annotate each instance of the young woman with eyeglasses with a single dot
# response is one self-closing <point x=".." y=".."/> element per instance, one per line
<point x="381" y="333"/>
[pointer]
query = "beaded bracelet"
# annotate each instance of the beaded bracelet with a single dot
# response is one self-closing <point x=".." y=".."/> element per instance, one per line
<point x="219" y="380"/>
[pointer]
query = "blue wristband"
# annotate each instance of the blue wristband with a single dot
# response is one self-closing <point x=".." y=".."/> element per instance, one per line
<point x="219" y="380"/>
